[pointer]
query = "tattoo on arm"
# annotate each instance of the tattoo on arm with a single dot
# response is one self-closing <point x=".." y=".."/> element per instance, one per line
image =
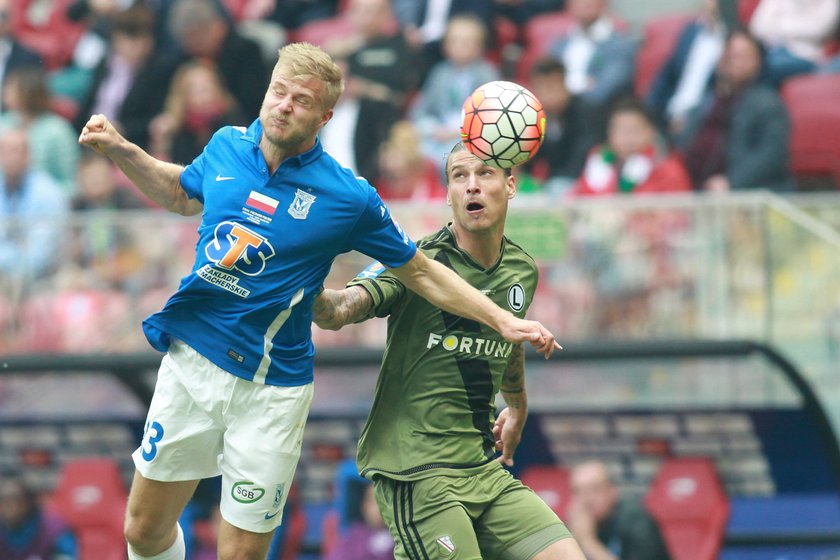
<point x="513" y="380"/>
<point x="355" y="304"/>
<point x="334" y="309"/>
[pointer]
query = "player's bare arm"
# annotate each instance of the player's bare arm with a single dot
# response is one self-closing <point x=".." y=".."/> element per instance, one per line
<point x="159" y="180"/>
<point x="443" y="288"/>
<point x="511" y="421"/>
<point x="333" y="309"/>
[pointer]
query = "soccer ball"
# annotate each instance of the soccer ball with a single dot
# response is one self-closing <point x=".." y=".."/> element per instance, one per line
<point x="503" y="124"/>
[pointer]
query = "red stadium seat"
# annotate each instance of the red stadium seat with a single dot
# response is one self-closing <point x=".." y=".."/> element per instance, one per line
<point x="691" y="507"/>
<point x="660" y="36"/>
<point x="91" y="498"/>
<point x="813" y="102"/>
<point x="539" y="33"/>
<point x="52" y="35"/>
<point x="329" y="532"/>
<point x="551" y="484"/>
<point x="746" y="9"/>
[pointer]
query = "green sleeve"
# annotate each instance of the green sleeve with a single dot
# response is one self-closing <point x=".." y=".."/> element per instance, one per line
<point x="385" y="289"/>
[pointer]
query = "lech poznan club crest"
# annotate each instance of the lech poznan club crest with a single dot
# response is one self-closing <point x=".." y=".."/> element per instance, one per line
<point x="299" y="208"/>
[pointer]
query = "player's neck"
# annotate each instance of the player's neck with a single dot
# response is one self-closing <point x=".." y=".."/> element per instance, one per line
<point x="484" y="247"/>
<point x="275" y="155"/>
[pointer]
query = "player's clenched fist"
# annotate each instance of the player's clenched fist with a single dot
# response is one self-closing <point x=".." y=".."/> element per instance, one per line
<point x="100" y="134"/>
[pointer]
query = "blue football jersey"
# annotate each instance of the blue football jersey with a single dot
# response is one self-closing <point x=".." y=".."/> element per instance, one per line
<point x="266" y="244"/>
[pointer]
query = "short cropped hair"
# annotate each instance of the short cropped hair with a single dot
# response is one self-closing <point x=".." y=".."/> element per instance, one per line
<point x="304" y="60"/>
<point x="188" y="14"/>
<point x="459" y="147"/>
<point x="547" y="66"/>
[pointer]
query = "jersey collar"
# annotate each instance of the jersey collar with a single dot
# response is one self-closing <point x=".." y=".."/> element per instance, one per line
<point x="469" y="258"/>
<point x="254" y="132"/>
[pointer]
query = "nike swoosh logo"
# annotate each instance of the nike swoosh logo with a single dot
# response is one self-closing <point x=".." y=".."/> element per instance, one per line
<point x="220" y="178"/>
<point x="272" y="515"/>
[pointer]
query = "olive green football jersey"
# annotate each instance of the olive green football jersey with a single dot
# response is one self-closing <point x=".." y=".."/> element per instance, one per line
<point x="433" y="407"/>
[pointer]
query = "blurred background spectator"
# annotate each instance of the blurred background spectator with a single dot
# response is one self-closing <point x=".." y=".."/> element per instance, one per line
<point x="99" y="188"/>
<point x="197" y="105"/>
<point x="367" y="538"/>
<point x="52" y="140"/>
<point x="405" y="173"/>
<point x="608" y="525"/>
<point x="572" y="127"/>
<point x="738" y="137"/>
<point x="635" y="159"/>
<point x="26" y="531"/>
<point x="424" y="25"/>
<point x="27" y="251"/>
<point x="202" y="31"/>
<point x="129" y="85"/>
<point x="599" y="54"/>
<point x="797" y="34"/>
<point x="379" y="77"/>
<point x="687" y="75"/>
<point x="438" y="108"/>
<point x="13" y="55"/>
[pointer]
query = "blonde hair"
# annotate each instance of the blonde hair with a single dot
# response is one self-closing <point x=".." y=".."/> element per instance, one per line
<point x="304" y="60"/>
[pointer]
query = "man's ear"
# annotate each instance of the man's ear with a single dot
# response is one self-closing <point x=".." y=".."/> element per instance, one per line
<point x="510" y="184"/>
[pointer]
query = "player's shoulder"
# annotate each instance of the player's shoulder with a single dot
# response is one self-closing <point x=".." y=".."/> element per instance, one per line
<point x="435" y="242"/>
<point x="344" y="177"/>
<point x="514" y="251"/>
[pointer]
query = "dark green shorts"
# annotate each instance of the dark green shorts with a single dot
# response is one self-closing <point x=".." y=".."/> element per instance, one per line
<point x="489" y="515"/>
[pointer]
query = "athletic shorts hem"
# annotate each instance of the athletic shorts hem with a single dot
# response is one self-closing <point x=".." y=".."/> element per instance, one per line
<point x="166" y="474"/>
<point x="536" y="542"/>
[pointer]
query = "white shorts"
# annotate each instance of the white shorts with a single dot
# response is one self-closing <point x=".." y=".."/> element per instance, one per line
<point x="204" y="421"/>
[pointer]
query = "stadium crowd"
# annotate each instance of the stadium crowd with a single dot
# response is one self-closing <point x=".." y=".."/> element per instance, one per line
<point x="694" y="102"/>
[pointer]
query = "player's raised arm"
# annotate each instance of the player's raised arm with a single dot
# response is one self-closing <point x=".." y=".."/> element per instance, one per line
<point x="159" y="180"/>
<point x="448" y="291"/>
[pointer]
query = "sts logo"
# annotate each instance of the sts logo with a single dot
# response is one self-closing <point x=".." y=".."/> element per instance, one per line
<point x="235" y="247"/>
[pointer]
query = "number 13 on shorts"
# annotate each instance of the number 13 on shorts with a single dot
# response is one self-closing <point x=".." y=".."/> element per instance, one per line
<point x="151" y="436"/>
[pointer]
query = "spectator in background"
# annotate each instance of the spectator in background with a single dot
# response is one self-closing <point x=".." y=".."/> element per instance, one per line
<point x="197" y="105"/>
<point x="598" y="55"/>
<point x="796" y="34"/>
<point x="572" y="128"/>
<point x="27" y="532"/>
<point x="439" y="107"/>
<point x="99" y="188"/>
<point x="13" y="55"/>
<point x="27" y="194"/>
<point x="738" y="137"/>
<point x="688" y="74"/>
<point x="202" y="31"/>
<point x="380" y="76"/>
<point x="292" y="14"/>
<point x="606" y="525"/>
<point x="52" y="139"/>
<point x="129" y="85"/>
<point x="367" y="539"/>
<point x="635" y="159"/>
<point x="404" y="172"/>
<point x="424" y="25"/>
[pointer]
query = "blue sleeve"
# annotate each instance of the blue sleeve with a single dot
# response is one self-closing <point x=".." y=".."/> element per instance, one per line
<point x="192" y="177"/>
<point x="377" y="235"/>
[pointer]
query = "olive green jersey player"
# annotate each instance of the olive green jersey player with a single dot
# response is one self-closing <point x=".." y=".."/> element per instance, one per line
<point x="434" y="404"/>
<point x="430" y="442"/>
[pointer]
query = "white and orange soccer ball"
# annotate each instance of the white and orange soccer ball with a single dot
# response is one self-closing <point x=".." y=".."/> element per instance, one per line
<point x="503" y="124"/>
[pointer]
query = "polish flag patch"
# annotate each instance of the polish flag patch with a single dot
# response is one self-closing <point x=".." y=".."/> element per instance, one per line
<point x="262" y="203"/>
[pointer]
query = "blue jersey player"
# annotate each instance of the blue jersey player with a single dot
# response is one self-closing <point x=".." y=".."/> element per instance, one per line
<point x="235" y="385"/>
